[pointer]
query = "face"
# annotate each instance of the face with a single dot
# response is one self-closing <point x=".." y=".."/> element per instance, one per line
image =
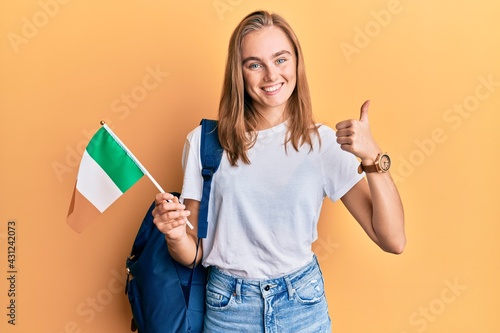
<point x="269" y="69"/>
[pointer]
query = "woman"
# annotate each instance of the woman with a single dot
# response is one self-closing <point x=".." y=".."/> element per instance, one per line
<point x="267" y="194"/>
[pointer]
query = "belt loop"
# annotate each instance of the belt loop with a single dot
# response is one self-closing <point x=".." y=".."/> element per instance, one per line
<point x="238" y="290"/>
<point x="289" y="287"/>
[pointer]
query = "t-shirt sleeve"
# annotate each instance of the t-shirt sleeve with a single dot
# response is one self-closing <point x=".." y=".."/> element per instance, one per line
<point x="340" y="168"/>
<point x="192" y="186"/>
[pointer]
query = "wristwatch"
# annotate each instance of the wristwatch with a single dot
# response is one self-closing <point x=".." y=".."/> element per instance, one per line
<point x="382" y="164"/>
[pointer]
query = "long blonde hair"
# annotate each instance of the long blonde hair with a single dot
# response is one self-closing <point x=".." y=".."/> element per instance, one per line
<point x="237" y="117"/>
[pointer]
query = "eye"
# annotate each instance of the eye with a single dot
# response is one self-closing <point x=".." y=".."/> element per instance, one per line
<point x="280" y="60"/>
<point x="254" y="66"/>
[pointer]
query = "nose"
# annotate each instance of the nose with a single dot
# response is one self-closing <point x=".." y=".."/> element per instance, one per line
<point x="271" y="74"/>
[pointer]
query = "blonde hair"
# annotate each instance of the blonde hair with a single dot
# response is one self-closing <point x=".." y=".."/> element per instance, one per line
<point x="237" y="117"/>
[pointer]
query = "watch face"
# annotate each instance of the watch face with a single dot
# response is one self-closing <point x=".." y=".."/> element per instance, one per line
<point x="385" y="162"/>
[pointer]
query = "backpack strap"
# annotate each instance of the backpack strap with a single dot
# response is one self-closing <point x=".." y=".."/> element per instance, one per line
<point x="211" y="155"/>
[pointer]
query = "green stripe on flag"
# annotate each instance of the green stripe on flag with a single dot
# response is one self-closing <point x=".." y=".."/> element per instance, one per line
<point x="114" y="160"/>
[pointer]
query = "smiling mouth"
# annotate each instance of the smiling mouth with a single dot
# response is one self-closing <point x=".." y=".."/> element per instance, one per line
<point x="272" y="89"/>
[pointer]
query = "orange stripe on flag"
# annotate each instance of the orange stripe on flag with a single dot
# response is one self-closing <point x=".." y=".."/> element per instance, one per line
<point x="81" y="212"/>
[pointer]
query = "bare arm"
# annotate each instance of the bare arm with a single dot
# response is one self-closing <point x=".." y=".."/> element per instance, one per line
<point x="170" y="218"/>
<point x="377" y="207"/>
<point x="375" y="202"/>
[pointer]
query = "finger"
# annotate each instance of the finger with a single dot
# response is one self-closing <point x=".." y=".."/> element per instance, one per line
<point x="171" y="217"/>
<point x="167" y="226"/>
<point x="346" y="147"/>
<point x="344" y="124"/>
<point x="166" y="208"/>
<point x="162" y="197"/>
<point x="345" y="132"/>
<point x="363" y="116"/>
<point x="344" y="140"/>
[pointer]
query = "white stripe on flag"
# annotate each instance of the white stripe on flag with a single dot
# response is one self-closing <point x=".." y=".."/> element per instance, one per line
<point x="95" y="185"/>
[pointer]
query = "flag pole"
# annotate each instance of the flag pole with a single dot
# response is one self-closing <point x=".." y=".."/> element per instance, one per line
<point x="136" y="161"/>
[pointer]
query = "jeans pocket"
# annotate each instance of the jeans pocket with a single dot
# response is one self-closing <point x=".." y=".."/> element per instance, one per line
<point x="311" y="292"/>
<point x="216" y="300"/>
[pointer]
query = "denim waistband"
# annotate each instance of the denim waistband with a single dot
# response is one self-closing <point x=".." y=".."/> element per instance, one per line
<point x="265" y="288"/>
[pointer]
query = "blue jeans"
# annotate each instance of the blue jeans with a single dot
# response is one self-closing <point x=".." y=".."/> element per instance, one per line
<point x="293" y="303"/>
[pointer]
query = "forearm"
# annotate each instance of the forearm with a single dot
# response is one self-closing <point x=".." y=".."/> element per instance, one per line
<point x="387" y="215"/>
<point x="183" y="250"/>
<point x="375" y="204"/>
<point x="170" y="217"/>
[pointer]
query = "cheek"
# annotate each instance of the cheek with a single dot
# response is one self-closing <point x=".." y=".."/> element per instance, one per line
<point x="250" y="82"/>
<point x="248" y="77"/>
<point x="292" y="73"/>
<point x="291" y="77"/>
<point x="246" y="84"/>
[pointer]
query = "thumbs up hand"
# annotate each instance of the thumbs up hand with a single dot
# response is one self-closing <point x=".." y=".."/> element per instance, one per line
<point x="355" y="137"/>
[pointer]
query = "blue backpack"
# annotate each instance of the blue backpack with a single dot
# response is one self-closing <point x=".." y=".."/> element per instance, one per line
<point x="165" y="296"/>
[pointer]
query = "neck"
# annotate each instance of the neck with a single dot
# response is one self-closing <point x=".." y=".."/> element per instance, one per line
<point x="270" y="117"/>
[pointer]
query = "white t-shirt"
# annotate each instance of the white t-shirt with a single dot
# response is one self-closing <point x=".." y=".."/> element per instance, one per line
<point x="263" y="216"/>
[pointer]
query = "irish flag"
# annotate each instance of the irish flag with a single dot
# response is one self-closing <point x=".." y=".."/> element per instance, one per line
<point x="107" y="170"/>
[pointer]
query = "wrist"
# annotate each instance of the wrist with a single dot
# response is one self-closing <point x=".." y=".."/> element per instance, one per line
<point x="368" y="161"/>
<point x="381" y="163"/>
<point x="371" y="159"/>
<point x="174" y="236"/>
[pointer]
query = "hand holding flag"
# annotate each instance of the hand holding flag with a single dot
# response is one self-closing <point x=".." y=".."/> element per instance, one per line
<point x="107" y="170"/>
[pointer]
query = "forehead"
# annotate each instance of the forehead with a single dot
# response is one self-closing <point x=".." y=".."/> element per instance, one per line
<point x="265" y="42"/>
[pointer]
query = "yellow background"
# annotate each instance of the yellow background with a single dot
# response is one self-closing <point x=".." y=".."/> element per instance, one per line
<point x="431" y="69"/>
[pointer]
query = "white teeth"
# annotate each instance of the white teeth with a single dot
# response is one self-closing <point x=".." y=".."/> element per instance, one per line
<point x="273" y="88"/>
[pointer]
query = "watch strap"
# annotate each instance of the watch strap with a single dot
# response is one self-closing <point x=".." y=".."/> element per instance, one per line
<point x="367" y="168"/>
<point x="376" y="167"/>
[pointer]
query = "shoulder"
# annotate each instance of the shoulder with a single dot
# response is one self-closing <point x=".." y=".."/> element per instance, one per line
<point x="325" y="130"/>
<point x="326" y="133"/>
<point x="194" y="137"/>
<point x="195" y="134"/>
<point x="191" y="146"/>
<point x="329" y="144"/>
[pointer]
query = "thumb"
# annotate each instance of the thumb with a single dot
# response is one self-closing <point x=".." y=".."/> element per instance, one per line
<point x="363" y="115"/>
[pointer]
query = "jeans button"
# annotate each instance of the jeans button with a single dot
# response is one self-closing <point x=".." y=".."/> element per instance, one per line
<point x="266" y="288"/>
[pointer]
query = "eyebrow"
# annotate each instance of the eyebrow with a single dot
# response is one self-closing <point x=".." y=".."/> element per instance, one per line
<point x="274" y="55"/>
